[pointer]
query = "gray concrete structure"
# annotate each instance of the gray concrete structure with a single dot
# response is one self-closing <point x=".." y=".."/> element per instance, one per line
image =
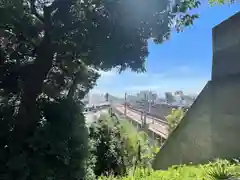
<point x="226" y="45"/>
<point x="211" y="127"/>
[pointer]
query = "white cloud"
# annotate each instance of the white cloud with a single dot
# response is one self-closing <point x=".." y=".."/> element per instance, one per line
<point x="180" y="77"/>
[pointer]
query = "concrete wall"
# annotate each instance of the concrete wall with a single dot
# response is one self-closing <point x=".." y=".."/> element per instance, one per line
<point x="191" y="140"/>
<point x="225" y="121"/>
<point x="211" y="127"/>
<point x="226" y="45"/>
<point x="209" y="130"/>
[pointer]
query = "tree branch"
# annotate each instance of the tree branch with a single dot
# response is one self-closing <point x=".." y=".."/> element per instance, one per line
<point x="19" y="35"/>
<point x="34" y="10"/>
<point x="73" y="87"/>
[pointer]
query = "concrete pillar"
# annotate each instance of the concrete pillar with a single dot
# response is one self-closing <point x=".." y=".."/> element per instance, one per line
<point x="226" y="45"/>
<point x="161" y="140"/>
<point x="153" y="135"/>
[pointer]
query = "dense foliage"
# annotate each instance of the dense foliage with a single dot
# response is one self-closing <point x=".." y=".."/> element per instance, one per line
<point x="221" y="169"/>
<point x="51" y="154"/>
<point x="118" y="146"/>
<point x="174" y="118"/>
<point x="50" y="52"/>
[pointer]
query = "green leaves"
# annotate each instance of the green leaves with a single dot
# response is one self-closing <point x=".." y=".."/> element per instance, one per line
<point x="220" y="2"/>
<point x="186" y="5"/>
<point x="106" y="147"/>
<point x="174" y="118"/>
<point x="118" y="146"/>
<point x="50" y="51"/>
<point x="183" y="172"/>
<point x="183" y="17"/>
<point x="220" y="170"/>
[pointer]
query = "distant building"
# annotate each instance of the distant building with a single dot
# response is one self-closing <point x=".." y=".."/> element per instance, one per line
<point x="179" y="93"/>
<point x="131" y="98"/>
<point x="183" y="99"/>
<point x="141" y="95"/>
<point x="179" y="99"/>
<point x="169" y="97"/>
<point x="153" y="97"/>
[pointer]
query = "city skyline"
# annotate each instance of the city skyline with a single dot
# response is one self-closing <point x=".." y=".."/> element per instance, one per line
<point x="159" y="95"/>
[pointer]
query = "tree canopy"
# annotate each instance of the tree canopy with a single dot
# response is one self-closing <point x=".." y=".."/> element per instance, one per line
<point x="47" y="46"/>
<point x="51" y="50"/>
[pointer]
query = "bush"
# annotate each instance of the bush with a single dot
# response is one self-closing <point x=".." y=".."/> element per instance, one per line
<point x="57" y="149"/>
<point x="106" y="147"/>
<point x="174" y="118"/>
<point x="117" y="146"/>
<point x="182" y="172"/>
<point x="138" y="150"/>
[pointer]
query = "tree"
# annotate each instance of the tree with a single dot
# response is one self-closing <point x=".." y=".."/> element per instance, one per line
<point x="50" y="51"/>
<point x="118" y="146"/>
<point x="46" y="46"/>
<point x="107" y="147"/>
<point x="174" y="118"/>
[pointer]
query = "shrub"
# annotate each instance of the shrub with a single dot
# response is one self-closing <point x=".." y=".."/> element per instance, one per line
<point x="118" y="146"/>
<point x="182" y="172"/>
<point x="106" y="147"/>
<point x="174" y="118"/>
<point x="57" y="149"/>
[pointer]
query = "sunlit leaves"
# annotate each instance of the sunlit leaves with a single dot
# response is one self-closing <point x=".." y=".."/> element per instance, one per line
<point x="119" y="142"/>
<point x="220" y="2"/>
<point x="174" y="118"/>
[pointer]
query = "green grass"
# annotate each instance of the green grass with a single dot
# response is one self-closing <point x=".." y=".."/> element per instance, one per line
<point x="213" y="171"/>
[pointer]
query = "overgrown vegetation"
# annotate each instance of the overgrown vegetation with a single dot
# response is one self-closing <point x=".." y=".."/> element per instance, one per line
<point x="184" y="172"/>
<point x="174" y="118"/>
<point x="117" y="146"/>
<point x="50" y="55"/>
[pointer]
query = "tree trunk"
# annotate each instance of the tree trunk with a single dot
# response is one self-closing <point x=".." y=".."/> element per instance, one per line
<point x="28" y="114"/>
<point x="72" y="88"/>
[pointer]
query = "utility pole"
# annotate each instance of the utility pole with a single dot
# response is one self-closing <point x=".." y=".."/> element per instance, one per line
<point x="145" y="109"/>
<point x="150" y="101"/>
<point x="125" y="104"/>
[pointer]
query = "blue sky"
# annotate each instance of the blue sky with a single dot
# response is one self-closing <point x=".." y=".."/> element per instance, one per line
<point x="181" y="63"/>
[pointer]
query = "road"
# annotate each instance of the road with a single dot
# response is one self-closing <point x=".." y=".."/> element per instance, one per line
<point x="155" y="126"/>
